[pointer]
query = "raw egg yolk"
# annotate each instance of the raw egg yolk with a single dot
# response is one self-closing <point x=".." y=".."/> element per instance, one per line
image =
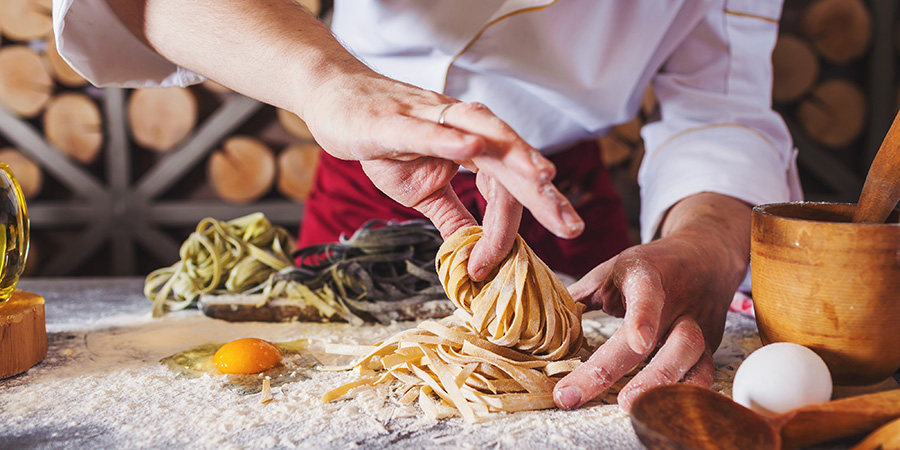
<point x="247" y="356"/>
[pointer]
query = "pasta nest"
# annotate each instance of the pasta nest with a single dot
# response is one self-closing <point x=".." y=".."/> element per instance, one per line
<point x="521" y="305"/>
<point x="511" y="338"/>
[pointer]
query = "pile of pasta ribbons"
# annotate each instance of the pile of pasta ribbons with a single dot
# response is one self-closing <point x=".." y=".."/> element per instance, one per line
<point x="511" y="338"/>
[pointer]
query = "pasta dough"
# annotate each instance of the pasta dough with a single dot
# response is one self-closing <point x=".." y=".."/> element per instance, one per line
<point x="510" y="340"/>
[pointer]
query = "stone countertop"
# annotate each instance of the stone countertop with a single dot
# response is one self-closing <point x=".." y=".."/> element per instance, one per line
<point x="101" y="386"/>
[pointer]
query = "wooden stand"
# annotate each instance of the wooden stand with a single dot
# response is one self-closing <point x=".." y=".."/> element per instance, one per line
<point x="23" y="333"/>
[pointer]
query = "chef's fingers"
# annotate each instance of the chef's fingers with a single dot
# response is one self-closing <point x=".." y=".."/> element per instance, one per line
<point x="610" y="362"/>
<point x="702" y="374"/>
<point x="501" y="222"/>
<point x="469" y="129"/>
<point x="502" y="141"/>
<point x="683" y="348"/>
<point x="446" y="211"/>
<point x="522" y="170"/>
<point x="597" y="291"/>
<point x="405" y="138"/>
<point x="548" y="206"/>
<point x="442" y="206"/>
<point x="640" y="285"/>
<point x="644" y="297"/>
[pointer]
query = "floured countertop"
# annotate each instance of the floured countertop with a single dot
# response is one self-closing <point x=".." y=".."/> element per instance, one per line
<point x="102" y="386"/>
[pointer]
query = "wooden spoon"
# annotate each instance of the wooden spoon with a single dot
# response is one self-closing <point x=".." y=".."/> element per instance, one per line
<point x="682" y="416"/>
<point x="881" y="191"/>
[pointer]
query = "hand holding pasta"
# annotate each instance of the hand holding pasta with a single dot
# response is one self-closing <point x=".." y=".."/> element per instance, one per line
<point x="510" y="340"/>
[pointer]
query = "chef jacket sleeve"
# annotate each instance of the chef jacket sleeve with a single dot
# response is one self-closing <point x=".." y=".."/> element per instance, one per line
<point x="92" y="39"/>
<point x="717" y="131"/>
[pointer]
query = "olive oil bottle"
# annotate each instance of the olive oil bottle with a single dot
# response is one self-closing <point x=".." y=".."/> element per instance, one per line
<point x="14" y="234"/>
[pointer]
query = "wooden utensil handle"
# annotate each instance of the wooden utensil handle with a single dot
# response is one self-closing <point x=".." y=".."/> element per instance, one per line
<point x="881" y="191"/>
<point x="888" y="436"/>
<point x="852" y="415"/>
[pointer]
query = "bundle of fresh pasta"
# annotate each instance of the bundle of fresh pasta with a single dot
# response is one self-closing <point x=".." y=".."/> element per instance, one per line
<point x="509" y="341"/>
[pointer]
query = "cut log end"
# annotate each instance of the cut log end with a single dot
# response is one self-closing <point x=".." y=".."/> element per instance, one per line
<point x="296" y="170"/>
<point x="161" y="118"/>
<point x="795" y="66"/>
<point x="242" y="171"/>
<point x="27" y="173"/>
<point x="25" y="83"/>
<point x="73" y="125"/>
<point x="23" y="333"/>
<point x="22" y="20"/>
<point x="840" y="30"/>
<point x="834" y="113"/>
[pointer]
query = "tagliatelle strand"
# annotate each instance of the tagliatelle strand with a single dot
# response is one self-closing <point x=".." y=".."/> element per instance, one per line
<point x="511" y="339"/>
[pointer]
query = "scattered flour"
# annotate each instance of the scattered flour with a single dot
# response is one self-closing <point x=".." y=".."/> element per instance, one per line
<point x="102" y="386"/>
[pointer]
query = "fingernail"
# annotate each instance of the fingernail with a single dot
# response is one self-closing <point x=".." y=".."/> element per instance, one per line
<point x="646" y="334"/>
<point x="572" y="221"/>
<point x="480" y="273"/>
<point x="568" y="397"/>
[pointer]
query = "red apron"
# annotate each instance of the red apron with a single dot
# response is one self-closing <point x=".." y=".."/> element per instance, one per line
<point x="343" y="199"/>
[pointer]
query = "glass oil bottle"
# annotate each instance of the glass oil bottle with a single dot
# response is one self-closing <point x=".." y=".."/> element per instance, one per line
<point x="14" y="234"/>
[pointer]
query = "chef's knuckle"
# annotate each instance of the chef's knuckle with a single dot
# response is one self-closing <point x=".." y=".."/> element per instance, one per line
<point x="601" y="377"/>
<point x="668" y="373"/>
<point x="691" y="337"/>
<point x="471" y="107"/>
<point x="543" y="170"/>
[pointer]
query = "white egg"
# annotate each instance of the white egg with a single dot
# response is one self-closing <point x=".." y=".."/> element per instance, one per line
<point x="781" y="377"/>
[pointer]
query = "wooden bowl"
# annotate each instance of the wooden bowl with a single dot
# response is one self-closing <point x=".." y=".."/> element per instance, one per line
<point x="834" y="286"/>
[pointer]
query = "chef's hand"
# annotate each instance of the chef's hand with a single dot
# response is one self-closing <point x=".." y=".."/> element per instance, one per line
<point x="674" y="295"/>
<point x="279" y="53"/>
<point x="392" y="128"/>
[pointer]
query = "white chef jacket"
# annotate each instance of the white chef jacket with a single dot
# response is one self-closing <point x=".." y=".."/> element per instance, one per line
<point x="557" y="71"/>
